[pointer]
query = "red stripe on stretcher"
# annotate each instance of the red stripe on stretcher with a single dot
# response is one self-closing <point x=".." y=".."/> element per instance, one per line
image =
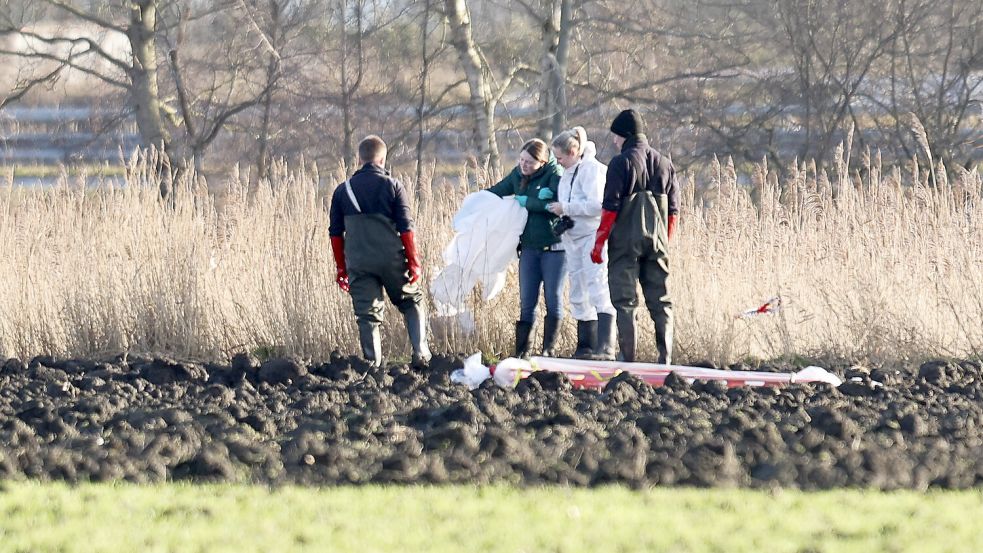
<point x="596" y="374"/>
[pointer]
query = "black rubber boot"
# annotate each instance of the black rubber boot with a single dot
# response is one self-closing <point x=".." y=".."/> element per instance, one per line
<point x="416" y="329"/>
<point x="368" y="335"/>
<point x="586" y="339"/>
<point x="604" y="347"/>
<point x="626" y="336"/>
<point x="522" y="332"/>
<point x="551" y="330"/>
<point x="663" y="335"/>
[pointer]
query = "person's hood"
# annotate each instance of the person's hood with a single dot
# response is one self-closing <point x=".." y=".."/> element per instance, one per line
<point x="634" y="142"/>
<point x="590" y="151"/>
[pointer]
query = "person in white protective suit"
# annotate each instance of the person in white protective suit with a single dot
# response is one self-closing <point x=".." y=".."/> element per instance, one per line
<point x="580" y="192"/>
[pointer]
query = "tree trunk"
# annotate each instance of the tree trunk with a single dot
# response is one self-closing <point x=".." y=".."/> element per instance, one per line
<point x="482" y="101"/>
<point x="272" y="76"/>
<point x="350" y="85"/>
<point x="550" y="38"/>
<point x="562" y="56"/>
<point x="557" y="28"/>
<point x="143" y="75"/>
<point x="263" y="156"/>
<point x="424" y="86"/>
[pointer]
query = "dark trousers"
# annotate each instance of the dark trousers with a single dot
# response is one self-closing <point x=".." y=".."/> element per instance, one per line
<point x="367" y="294"/>
<point x="625" y="273"/>
<point x="638" y="252"/>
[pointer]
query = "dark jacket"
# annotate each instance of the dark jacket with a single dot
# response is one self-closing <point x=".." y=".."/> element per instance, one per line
<point x="372" y="242"/>
<point x="639" y="167"/>
<point x="537" y="234"/>
<point x="377" y="193"/>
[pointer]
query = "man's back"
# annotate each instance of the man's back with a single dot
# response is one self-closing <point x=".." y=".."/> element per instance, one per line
<point x="640" y="167"/>
<point x="377" y="194"/>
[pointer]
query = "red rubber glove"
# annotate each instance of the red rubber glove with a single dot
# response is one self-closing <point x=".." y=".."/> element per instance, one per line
<point x="603" y="231"/>
<point x="412" y="259"/>
<point x="338" y="247"/>
<point x="671" y="226"/>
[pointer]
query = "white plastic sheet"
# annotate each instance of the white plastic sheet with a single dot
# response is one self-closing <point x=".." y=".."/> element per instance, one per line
<point x="473" y="373"/>
<point x="487" y="230"/>
<point x="595" y="374"/>
<point x="507" y="372"/>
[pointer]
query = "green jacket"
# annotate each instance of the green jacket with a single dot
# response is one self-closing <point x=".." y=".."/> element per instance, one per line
<point x="537" y="234"/>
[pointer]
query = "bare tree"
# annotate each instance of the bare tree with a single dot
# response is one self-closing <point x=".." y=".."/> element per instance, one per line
<point x="554" y="20"/>
<point x="211" y="90"/>
<point x="833" y="50"/>
<point x="934" y="74"/>
<point x="68" y="49"/>
<point x="205" y="103"/>
<point x="257" y="79"/>
<point x="485" y="92"/>
<point x="276" y="29"/>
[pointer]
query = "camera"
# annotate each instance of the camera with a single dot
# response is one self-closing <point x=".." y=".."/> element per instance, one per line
<point x="561" y="224"/>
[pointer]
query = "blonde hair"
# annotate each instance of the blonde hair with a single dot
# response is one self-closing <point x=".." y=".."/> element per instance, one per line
<point x="571" y="141"/>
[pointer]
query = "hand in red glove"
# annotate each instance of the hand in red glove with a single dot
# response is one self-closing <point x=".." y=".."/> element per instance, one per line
<point x="603" y="231"/>
<point x="671" y="226"/>
<point x="412" y="259"/>
<point x="342" y="280"/>
<point x="338" y="247"/>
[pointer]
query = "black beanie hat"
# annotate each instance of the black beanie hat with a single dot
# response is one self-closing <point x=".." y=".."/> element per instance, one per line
<point x="627" y="124"/>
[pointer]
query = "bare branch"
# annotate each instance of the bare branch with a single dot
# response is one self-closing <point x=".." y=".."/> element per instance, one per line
<point x="21" y="90"/>
<point x="93" y="47"/>
<point x="104" y="23"/>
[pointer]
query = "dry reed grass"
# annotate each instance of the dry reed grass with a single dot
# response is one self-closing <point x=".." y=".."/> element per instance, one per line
<point x="869" y="269"/>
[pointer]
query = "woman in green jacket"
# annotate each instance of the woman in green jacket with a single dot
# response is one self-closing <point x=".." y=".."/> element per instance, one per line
<point x="534" y="184"/>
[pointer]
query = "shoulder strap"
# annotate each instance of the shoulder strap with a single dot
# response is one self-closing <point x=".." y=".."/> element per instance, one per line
<point x="351" y="195"/>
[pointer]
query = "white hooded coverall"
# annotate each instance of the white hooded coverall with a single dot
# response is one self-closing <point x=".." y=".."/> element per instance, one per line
<point x="580" y="193"/>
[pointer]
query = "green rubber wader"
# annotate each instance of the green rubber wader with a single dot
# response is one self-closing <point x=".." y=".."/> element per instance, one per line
<point x="377" y="264"/>
<point x="638" y="253"/>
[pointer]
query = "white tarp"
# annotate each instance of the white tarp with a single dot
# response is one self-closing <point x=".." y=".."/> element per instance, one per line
<point x="584" y="373"/>
<point x="487" y="230"/>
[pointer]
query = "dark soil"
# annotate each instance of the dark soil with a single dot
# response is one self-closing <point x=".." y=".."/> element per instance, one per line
<point x="282" y="421"/>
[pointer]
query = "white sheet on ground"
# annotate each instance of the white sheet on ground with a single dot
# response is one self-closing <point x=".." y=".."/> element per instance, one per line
<point x="509" y="371"/>
<point x="487" y="230"/>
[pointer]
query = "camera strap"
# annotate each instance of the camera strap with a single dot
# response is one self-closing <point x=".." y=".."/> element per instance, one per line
<point x="573" y="179"/>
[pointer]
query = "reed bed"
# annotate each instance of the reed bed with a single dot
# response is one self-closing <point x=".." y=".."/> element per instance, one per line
<point x="873" y="265"/>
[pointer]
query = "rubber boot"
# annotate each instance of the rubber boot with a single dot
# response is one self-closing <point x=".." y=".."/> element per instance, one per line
<point x="586" y="339"/>
<point x="522" y="332"/>
<point x="368" y="335"/>
<point x="551" y="330"/>
<point x="626" y="336"/>
<point x="416" y="329"/>
<point x="662" y="317"/>
<point x="604" y="347"/>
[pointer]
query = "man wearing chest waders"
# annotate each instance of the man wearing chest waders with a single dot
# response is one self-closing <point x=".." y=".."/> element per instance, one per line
<point x="639" y="212"/>
<point x="372" y="238"/>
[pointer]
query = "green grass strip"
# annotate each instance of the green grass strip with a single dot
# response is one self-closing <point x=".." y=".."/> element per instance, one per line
<point x="184" y="517"/>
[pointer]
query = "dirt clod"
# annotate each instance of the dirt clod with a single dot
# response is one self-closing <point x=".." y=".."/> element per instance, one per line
<point x="153" y="419"/>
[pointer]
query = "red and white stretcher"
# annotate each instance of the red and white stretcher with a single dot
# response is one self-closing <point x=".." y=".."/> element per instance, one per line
<point x="590" y="374"/>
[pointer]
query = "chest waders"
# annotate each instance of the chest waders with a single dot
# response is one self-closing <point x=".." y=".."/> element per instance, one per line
<point x="638" y="253"/>
<point x="377" y="263"/>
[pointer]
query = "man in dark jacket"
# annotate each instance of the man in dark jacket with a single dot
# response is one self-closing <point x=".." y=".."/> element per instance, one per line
<point x="639" y="213"/>
<point x="374" y="249"/>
